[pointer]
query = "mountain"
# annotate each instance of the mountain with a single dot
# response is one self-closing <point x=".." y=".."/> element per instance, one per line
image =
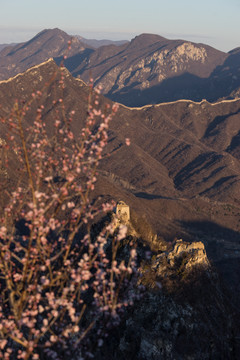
<point x="152" y="69"/>
<point x="47" y="44"/>
<point x="147" y="70"/>
<point x="98" y="43"/>
<point x="2" y="46"/>
<point x="181" y="174"/>
<point x="175" y="147"/>
<point x="230" y="74"/>
<point x="181" y="171"/>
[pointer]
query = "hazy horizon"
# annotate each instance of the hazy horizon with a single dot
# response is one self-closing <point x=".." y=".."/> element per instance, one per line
<point x="16" y="36"/>
<point x="213" y="23"/>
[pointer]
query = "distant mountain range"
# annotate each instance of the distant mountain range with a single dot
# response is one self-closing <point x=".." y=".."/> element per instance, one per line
<point x="98" y="43"/>
<point x="149" y="69"/>
<point x="2" y="46"/>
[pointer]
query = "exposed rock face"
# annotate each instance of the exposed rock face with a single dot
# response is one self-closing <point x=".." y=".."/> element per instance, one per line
<point x="171" y="266"/>
<point x="194" y="251"/>
<point x="154" y="68"/>
<point x="191" y="52"/>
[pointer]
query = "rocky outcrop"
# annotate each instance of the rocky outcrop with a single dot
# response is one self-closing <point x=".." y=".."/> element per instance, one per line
<point x="184" y="315"/>
<point x="195" y="253"/>
<point x="160" y="65"/>
<point x="164" y="327"/>
<point x="174" y="265"/>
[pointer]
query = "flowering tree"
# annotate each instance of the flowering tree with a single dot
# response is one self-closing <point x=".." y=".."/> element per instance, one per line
<point x="56" y="281"/>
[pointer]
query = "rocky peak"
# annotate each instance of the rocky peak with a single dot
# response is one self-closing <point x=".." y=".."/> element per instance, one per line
<point x="46" y="44"/>
<point x="175" y="264"/>
<point x="194" y="252"/>
<point x="144" y="40"/>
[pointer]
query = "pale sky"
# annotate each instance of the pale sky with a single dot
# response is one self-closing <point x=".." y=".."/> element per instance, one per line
<point x="213" y="22"/>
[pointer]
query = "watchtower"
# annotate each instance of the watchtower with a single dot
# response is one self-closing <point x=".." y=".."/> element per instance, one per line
<point x="123" y="211"/>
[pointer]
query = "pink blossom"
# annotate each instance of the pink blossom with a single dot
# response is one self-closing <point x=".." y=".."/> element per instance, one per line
<point x="127" y="141"/>
<point x="3" y="231"/>
<point x="133" y="253"/>
<point x="53" y="338"/>
<point x="55" y="263"/>
<point x="122" y="232"/>
<point x="41" y="309"/>
<point x="3" y="343"/>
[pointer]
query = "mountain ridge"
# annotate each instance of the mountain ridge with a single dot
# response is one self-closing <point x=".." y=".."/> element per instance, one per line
<point x="181" y="173"/>
<point x="149" y="69"/>
<point x="97" y="43"/>
<point x="46" y="44"/>
<point x="181" y="170"/>
<point x="171" y="137"/>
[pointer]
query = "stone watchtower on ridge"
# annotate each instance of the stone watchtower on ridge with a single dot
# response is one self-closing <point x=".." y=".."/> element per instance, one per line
<point x="123" y="211"/>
